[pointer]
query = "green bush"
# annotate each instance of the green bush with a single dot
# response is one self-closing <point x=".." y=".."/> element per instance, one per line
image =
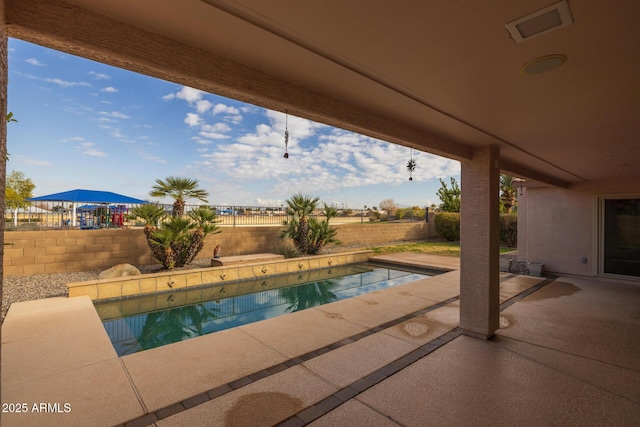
<point x="509" y="229"/>
<point x="287" y="249"/>
<point x="448" y="225"/>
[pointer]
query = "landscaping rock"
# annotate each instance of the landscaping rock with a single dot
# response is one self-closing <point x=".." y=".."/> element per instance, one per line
<point x="120" y="270"/>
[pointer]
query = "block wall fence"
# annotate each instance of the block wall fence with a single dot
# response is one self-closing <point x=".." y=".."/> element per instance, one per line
<point x="57" y="251"/>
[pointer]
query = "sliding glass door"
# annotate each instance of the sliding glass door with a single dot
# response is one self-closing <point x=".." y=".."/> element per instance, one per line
<point x="621" y="237"/>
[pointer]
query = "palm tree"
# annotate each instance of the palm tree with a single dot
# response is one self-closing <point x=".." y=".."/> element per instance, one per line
<point x="507" y="192"/>
<point x="302" y="206"/>
<point x="205" y="221"/>
<point x="179" y="189"/>
<point x="320" y="234"/>
<point x="176" y="241"/>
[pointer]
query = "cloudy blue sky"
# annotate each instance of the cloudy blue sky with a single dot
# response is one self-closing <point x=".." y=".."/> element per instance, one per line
<point x="82" y="124"/>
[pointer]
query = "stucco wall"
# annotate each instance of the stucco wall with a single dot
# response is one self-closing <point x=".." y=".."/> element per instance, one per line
<point x="555" y="227"/>
<point x="54" y="251"/>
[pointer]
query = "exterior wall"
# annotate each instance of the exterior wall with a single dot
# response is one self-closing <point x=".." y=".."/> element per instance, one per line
<point x="56" y="251"/>
<point x="557" y="229"/>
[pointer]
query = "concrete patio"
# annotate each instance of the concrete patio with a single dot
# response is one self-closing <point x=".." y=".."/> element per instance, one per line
<point x="567" y="353"/>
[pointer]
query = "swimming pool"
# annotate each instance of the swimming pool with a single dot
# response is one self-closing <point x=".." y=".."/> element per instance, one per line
<point x="142" y="323"/>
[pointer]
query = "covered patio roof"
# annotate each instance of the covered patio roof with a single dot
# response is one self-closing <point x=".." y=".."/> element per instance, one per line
<point x="443" y="77"/>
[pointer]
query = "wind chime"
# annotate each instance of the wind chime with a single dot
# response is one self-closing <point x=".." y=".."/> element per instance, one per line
<point x="411" y="166"/>
<point x="286" y="136"/>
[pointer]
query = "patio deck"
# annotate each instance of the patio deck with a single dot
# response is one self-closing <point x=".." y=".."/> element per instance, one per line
<point x="568" y="352"/>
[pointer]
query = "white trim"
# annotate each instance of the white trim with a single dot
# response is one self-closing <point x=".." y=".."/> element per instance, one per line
<point x="599" y="230"/>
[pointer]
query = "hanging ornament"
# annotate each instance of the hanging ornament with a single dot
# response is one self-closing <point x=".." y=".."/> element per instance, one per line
<point x="286" y="136"/>
<point x="411" y="166"/>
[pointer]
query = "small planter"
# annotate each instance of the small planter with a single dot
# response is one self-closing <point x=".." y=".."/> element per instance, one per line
<point x="535" y="268"/>
<point x="505" y="264"/>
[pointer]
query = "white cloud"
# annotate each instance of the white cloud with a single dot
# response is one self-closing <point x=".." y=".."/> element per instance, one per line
<point x="57" y="81"/>
<point x="269" y="202"/>
<point x="203" y="106"/>
<point x="154" y="158"/>
<point x="192" y="119"/>
<point x="189" y="94"/>
<point x="73" y="138"/>
<point x="87" y="148"/>
<point x="34" y="61"/>
<point x="225" y="109"/>
<point x="99" y="76"/>
<point x="229" y="113"/>
<point x="201" y="141"/>
<point x="169" y="96"/>
<point x="109" y="89"/>
<point x="114" y="114"/>
<point x="218" y="127"/>
<point x="213" y="135"/>
<point x="29" y="161"/>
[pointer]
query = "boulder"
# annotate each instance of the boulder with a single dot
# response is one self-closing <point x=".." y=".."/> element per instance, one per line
<point x="120" y="270"/>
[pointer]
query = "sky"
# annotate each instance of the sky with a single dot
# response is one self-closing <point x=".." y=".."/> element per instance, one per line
<point x="83" y="124"/>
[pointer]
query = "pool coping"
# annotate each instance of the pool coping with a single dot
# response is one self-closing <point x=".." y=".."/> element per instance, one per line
<point x="103" y="289"/>
<point x="118" y="370"/>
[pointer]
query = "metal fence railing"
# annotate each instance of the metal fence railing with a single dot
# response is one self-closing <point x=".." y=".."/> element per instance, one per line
<point x="98" y="216"/>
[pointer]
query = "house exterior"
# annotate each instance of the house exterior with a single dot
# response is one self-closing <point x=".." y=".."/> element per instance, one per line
<point x="545" y="92"/>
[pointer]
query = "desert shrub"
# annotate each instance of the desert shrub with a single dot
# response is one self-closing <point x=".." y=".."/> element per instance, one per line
<point x="447" y="225"/>
<point x="509" y="229"/>
<point x="287" y="249"/>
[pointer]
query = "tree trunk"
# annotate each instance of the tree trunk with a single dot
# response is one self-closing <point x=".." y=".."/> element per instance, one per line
<point x="178" y="208"/>
<point x="196" y="245"/>
<point x="302" y="239"/>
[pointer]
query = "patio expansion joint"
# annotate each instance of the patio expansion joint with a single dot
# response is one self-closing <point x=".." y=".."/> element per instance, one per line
<point x="354" y="389"/>
<point x="133" y="386"/>
<point x="549" y="279"/>
<point x="561" y="372"/>
<point x="223" y="389"/>
<point x="324" y="406"/>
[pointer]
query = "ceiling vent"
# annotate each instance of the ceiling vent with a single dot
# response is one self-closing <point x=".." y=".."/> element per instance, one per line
<point x="537" y="23"/>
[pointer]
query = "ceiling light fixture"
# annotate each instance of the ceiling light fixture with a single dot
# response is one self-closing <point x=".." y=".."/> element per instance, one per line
<point x="543" y="64"/>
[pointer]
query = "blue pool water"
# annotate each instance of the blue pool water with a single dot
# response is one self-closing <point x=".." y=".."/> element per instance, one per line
<point x="147" y="322"/>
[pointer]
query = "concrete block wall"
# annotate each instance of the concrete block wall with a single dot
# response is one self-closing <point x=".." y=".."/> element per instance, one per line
<point x="381" y="233"/>
<point x="57" y="251"/>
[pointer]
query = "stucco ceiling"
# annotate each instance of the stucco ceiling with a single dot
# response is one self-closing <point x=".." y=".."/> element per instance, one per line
<point x="442" y="76"/>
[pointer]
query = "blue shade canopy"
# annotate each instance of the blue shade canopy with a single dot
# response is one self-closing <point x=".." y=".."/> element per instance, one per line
<point x="88" y="196"/>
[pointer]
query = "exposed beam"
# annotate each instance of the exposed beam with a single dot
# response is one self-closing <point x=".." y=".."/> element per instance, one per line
<point x="81" y="32"/>
<point x="519" y="170"/>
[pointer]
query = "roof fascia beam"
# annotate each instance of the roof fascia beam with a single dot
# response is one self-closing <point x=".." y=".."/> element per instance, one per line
<point x="519" y="170"/>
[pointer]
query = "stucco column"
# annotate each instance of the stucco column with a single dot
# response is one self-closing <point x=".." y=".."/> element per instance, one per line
<point x="480" y="243"/>
<point x="4" y="72"/>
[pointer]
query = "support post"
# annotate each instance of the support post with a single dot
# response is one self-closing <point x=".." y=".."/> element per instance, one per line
<point x="480" y="243"/>
<point x="4" y="80"/>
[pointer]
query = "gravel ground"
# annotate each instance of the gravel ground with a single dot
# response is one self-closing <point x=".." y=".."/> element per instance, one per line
<point x="38" y="286"/>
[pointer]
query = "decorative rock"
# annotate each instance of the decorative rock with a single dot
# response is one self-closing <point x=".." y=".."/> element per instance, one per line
<point x="120" y="270"/>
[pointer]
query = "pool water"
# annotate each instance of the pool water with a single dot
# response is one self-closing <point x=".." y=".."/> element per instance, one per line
<point x="145" y="326"/>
